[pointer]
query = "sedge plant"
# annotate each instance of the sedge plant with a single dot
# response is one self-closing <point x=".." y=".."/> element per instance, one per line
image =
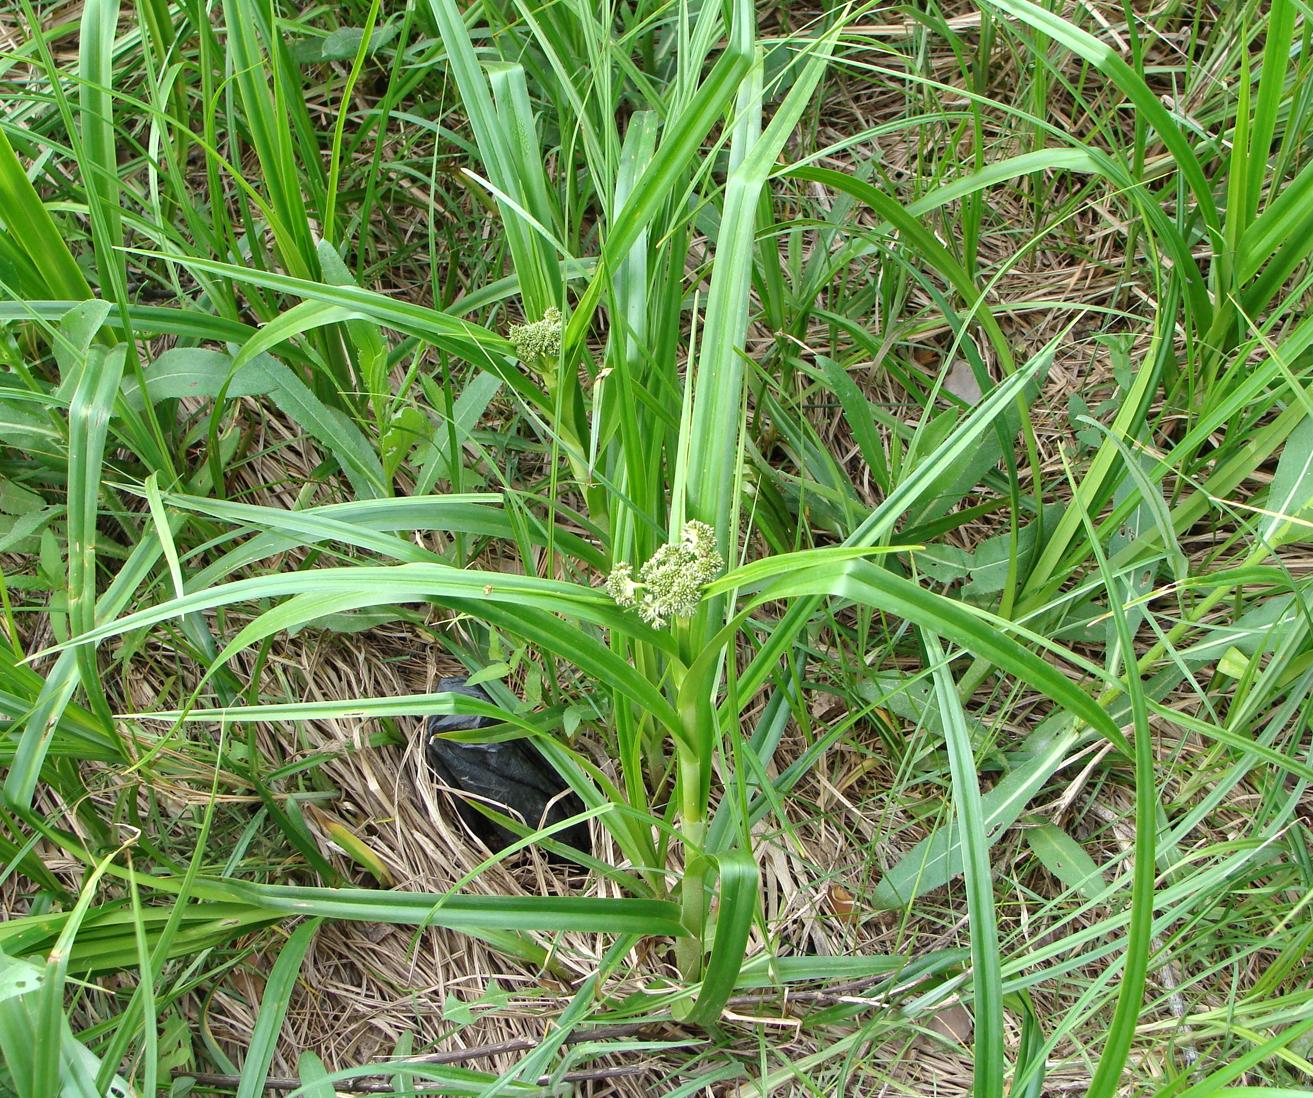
<point x="681" y="281"/>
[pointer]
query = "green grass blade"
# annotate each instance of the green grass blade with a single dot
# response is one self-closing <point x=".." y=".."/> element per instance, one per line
<point x="314" y="1076"/>
<point x="986" y="977"/>
<point x="88" y="416"/>
<point x="270" y="136"/>
<point x="978" y="632"/>
<point x="588" y="914"/>
<point x="463" y="338"/>
<point x="501" y="151"/>
<point x="49" y="1068"/>
<point x="1106" y="60"/>
<point x="99" y="142"/>
<point x="1107" y="1078"/>
<point x="878" y="525"/>
<point x="31" y="225"/>
<point x="1278" y="33"/>
<point x="278" y="990"/>
<point x="1216" y="1081"/>
<point x="681" y="142"/>
<point x="44" y="719"/>
<point x="530" y="605"/>
<point x="739" y="891"/>
<point x="719" y="384"/>
<point x="937" y="859"/>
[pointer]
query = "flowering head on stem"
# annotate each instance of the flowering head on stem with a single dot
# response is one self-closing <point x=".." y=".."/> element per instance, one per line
<point x="669" y="586"/>
<point x="539" y="339"/>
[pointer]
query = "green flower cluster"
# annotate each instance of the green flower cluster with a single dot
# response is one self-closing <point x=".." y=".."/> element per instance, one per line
<point x="539" y="339"/>
<point x="670" y="584"/>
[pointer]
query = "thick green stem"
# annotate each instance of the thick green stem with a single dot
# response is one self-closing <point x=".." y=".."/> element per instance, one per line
<point x="693" y="888"/>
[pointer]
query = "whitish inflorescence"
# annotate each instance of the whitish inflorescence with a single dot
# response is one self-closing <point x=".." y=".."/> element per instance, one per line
<point x="539" y="339"/>
<point x="670" y="584"/>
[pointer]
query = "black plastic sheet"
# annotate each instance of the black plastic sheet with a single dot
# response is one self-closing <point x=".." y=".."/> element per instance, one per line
<point x="511" y="777"/>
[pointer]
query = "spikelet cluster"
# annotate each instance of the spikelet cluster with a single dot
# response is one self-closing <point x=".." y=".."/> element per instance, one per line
<point x="539" y="339"/>
<point x="670" y="584"/>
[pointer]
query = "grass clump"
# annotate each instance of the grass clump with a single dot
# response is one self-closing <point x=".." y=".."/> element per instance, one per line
<point x="886" y="508"/>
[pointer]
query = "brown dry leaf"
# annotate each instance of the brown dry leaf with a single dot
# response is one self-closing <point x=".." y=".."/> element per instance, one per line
<point x="842" y="903"/>
<point x="952" y="1022"/>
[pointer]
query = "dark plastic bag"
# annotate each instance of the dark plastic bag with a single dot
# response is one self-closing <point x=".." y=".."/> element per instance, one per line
<point x="511" y="777"/>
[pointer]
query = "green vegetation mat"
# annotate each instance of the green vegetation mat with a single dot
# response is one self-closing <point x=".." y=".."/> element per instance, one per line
<point x="867" y="449"/>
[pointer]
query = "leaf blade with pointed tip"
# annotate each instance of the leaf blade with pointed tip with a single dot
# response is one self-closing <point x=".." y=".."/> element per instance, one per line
<point x="1066" y="859"/>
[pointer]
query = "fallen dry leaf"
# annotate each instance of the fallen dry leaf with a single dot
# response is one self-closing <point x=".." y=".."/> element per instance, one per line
<point x="842" y="903"/>
<point x="952" y="1022"/>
